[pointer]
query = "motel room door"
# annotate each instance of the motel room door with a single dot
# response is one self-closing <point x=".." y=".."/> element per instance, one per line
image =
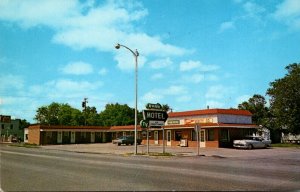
<point x="202" y="138"/>
<point x="169" y="138"/>
<point x="73" y="136"/>
<point x="156" y="137"/>
<point x="92" y="137"/>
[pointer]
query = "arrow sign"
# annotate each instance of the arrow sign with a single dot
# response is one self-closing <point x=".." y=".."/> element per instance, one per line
<point x="155" y="115"/>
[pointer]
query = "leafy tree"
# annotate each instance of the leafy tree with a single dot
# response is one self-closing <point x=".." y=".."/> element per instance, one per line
<point x="69" y="116"/>
<point x="285" y="100"/>
<point x="257" y="106"/>
<point x="166" y="107"/>
<point x="24" y="124"/>
<point x="116" y="114"/>
<point x="59" y="114"/>
<point x="42" y="115"/>
<point x="91" y="116"/>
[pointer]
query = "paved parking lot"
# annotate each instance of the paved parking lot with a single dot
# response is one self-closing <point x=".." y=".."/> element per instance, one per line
<point x="109" y="148"/>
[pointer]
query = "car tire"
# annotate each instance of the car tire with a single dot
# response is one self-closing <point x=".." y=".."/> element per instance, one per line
<point x="250" y="146"/>
<point x="119" y="144"/>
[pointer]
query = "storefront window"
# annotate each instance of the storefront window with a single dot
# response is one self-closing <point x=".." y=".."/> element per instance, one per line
<point x="210" y="135"/>
<point x="194" y="135"/>
<point x="224" y="135"/>
<point x="178" y="135"/>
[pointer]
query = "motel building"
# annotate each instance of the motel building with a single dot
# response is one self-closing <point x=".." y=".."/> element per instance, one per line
<point x="218" y="128"/>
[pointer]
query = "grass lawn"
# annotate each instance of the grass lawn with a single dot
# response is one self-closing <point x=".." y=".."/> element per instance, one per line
<point x="285" y="145"/>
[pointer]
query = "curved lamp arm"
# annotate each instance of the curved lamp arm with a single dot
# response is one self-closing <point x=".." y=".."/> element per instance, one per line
<point x="136" y="53"/>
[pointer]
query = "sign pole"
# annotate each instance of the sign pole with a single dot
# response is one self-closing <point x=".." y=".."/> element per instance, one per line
<point x="197" y="141"/>
<point x="197" y="129"/>
<point x="163" y="139"/>
<point x="148" y="141"/>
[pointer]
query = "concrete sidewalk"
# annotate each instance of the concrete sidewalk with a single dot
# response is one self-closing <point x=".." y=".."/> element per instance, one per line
<point x="109" y="148"/>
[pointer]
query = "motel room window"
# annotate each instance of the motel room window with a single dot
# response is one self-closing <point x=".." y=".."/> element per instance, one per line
<point x="224" y="135"/>
<point x="210" y="135"/>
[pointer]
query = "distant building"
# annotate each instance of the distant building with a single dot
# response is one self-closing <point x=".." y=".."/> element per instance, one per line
<point x="10" y="129"/>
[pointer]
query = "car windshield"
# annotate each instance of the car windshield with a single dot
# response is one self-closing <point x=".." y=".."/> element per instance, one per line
<point x="253" y="138"/>
<point x="250" y="138"/>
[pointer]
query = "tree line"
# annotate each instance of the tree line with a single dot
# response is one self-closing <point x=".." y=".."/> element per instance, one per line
<point x="281" y="115"/>
<point x="63" y="114"/>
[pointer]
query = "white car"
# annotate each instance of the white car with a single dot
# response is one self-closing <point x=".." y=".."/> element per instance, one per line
<point x="251" y="142"/>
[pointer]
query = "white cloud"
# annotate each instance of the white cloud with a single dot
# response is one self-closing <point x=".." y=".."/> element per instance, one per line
<point x="195" y="78"/>
<point x="226" y="26"/>
<point x="9" y="82"/>
<point x="218" y="92"/>
<point x="102" y="71"/>
<point x="196" y="66"/>
<point x="252" y="9"/>
<point x="211" y="77"/>
<point x="65" y="88"/>
<point x="189" y="65"/>
<point x="82" y="25"/>
<point x="126" y="60"/>
<point x="151" y="97"/>
<point x="161" y="63"/>
<point x="288" y="12"/>
<point x="77" y="68"/>
<point x="157" y="76"/>
<point x="156" y="95"/>
<point x="31" y="13"/>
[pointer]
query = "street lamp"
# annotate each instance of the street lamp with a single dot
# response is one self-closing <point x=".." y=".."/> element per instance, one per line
<point x="135" y="54"/>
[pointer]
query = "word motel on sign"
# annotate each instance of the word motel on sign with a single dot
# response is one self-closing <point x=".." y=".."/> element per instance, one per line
<point x="155" y="115"/>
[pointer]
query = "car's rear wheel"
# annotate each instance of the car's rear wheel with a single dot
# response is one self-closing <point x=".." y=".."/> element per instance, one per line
<point x="250" y="146"/>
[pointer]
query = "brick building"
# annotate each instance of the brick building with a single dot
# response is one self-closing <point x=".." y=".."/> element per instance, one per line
<point x="219" y="127"/>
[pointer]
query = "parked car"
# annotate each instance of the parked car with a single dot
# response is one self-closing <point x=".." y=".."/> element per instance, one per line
<point x="126" y="140"/>
<point x="251" y="142"/>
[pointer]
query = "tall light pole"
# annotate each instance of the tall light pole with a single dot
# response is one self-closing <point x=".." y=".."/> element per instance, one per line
<point x="135" y="54"/>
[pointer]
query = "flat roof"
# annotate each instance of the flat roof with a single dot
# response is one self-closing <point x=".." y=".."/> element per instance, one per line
<point x="210" y="112"/>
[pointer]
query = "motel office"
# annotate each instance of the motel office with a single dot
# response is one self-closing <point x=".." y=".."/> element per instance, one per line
<point x="219" y="127"/>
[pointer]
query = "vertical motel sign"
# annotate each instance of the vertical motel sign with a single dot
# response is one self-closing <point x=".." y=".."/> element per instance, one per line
<point x="153" y="116"/>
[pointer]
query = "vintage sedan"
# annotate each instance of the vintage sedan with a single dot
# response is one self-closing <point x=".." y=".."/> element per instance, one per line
<point x="251" y="142"/>
<point x="126" y="140"/>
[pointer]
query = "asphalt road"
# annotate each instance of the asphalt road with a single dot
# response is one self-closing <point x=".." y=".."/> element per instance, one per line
<point x="39" y="169"/>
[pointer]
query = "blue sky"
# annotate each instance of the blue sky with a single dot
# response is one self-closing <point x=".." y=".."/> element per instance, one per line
<point x="192" y="53"/>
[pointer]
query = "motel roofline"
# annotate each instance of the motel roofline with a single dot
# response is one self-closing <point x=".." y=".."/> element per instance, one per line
<point x="171" y="115"/>
<point x="131" y="127"/>
<point x="210" y="112"/>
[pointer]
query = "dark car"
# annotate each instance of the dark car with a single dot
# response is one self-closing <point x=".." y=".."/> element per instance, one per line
<point x="126" y="140"/>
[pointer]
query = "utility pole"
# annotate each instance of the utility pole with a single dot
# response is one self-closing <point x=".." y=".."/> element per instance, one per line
<point x="84" y="102"/>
